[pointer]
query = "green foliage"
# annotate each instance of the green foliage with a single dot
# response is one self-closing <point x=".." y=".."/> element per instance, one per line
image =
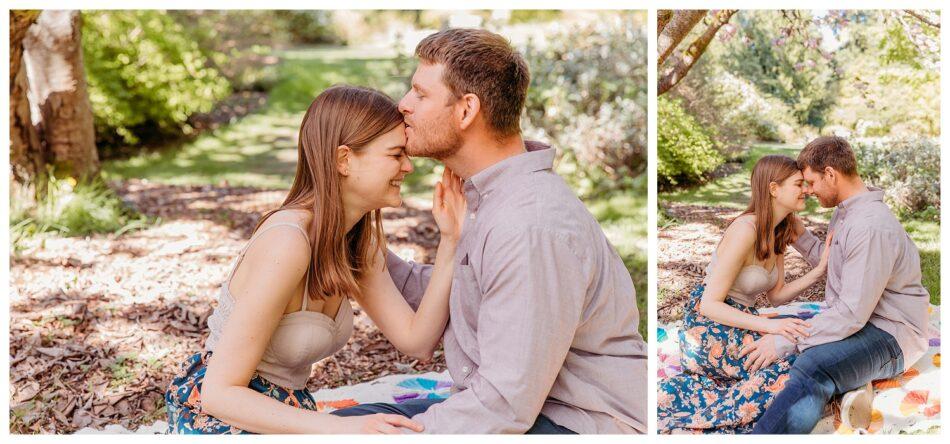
<point x="308" y="27"/>
<point x="686" y="150"/>
<point x="70" y="209"/>
<point x="259" y="149"/>
<point x="534" y="15"/>
<point x="733" y="107"/>
<point x="588" y="98"/>
<point x="243" y="43"/>
<point x="907" y="169"/>
<point x="783" y="60"/>
<point x="146" y="76"/>
<point x="926" y="236"/>
<point x="240" y="44"/>
<point x="888" y="87"/>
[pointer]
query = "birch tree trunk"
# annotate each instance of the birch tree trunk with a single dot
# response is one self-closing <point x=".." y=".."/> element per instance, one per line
<point x="58" y="91"/>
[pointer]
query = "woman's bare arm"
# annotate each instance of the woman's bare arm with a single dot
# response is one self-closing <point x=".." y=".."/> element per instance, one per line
<point x="417" y="334"/>
<point x="782" y="293"/>
<point x="279" y="260"/>
<point x="737" y="242"/>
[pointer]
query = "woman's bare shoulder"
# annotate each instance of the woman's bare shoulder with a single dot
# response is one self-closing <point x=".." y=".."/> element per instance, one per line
<point x="301" y="218"/>
<point x="740" y="232"/>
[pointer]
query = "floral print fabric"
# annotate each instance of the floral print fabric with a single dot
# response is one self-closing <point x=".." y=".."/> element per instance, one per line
<point x="715" y="394"/>
<point x="183" y="399"/>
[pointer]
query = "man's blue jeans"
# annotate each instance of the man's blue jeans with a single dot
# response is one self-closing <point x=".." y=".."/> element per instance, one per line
<point x="823" y="371"/>
<point x="542" y="426"/>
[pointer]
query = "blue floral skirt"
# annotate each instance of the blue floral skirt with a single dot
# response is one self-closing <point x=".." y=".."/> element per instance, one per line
<point x="183" y="399"/>
<point x="715" y="393"/>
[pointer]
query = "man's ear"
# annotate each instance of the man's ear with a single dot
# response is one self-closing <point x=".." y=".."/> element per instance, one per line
<point x="832" y="175"/>
<point x="343" y="156"/>
<point x="468" y="109"/>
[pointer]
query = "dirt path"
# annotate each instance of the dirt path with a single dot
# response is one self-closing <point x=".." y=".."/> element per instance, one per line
<point x="684" y="249"/>
<point x="99" y="325"/>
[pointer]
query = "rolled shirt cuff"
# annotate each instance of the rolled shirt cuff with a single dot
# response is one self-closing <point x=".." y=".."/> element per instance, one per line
<point x="805" y="241"/>
<point x="783" y="347"/>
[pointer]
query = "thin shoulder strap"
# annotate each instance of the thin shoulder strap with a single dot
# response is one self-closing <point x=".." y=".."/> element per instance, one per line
<point x="750" y="222"/>
<point x="257" y="235"/>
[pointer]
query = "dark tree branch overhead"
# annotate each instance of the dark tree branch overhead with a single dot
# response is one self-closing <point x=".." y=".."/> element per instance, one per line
<point x="689" y="57"/>
<point x="922" y="18"/>
<point x="663" y="17"/>
<point x="676" y="29"/>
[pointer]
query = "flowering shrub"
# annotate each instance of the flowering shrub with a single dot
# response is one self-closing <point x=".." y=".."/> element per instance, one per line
<point x="907" y="169"/>
<point x="588" y="97"/>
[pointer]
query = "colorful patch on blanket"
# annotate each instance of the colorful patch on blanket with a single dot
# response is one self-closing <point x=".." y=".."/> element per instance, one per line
<point x="392" y="389"/>
<point x="909" y="403"/>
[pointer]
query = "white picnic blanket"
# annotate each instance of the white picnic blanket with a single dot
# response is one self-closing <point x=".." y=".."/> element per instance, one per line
<point x="909" y="403"/>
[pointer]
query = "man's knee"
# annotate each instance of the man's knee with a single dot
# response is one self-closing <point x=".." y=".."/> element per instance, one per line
<point x="813" y="378"/>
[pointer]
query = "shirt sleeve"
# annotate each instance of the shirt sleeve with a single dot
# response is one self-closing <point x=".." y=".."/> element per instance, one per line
<point x="810" y="247"/>
<point x="868" y="260"/>
<point x="410" y="278"/>
<point x="533" y="289"/>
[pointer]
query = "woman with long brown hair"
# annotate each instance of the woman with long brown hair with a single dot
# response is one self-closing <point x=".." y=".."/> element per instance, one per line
<point x="721" y="390"/>
<point x="286" y="302"/>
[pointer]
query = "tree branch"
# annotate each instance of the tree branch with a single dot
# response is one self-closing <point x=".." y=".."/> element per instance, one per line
<point x="921" y="17"/>
<point x="675" y="31"/>
<point x="689" y="57"/>
<point x="663" y="17"/>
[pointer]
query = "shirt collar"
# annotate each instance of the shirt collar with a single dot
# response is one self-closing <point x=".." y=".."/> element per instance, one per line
<point x="539" y="156"/>
<point x="872" y="195"/>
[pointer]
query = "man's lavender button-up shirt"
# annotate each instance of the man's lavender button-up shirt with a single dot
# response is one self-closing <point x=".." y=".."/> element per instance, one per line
<point x="543" y="315"/>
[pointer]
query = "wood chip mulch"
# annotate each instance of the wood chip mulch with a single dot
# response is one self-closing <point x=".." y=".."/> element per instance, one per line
<point x="99" y="325"/>
<point x="685" y="247"/>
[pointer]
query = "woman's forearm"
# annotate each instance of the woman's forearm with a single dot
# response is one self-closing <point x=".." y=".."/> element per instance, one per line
<point x="792" y="289"/>
<point x="725" y="314"/>
<point x="249" y="410"/>
<point x="428" y="323"/>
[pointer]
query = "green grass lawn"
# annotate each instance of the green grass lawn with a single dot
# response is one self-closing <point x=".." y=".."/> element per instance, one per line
<point x="733" y="191"/>
<point x="260" y="150"/>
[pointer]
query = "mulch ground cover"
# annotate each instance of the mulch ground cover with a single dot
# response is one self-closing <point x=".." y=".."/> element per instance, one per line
<point x="99" y="325"/>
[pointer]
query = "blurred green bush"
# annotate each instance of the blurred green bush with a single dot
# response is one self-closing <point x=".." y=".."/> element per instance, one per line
<point x="146" y="76"/>
<point x="907" y="169"/>
<point x="588" y="97"/>
<point x="686" y="150"/>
